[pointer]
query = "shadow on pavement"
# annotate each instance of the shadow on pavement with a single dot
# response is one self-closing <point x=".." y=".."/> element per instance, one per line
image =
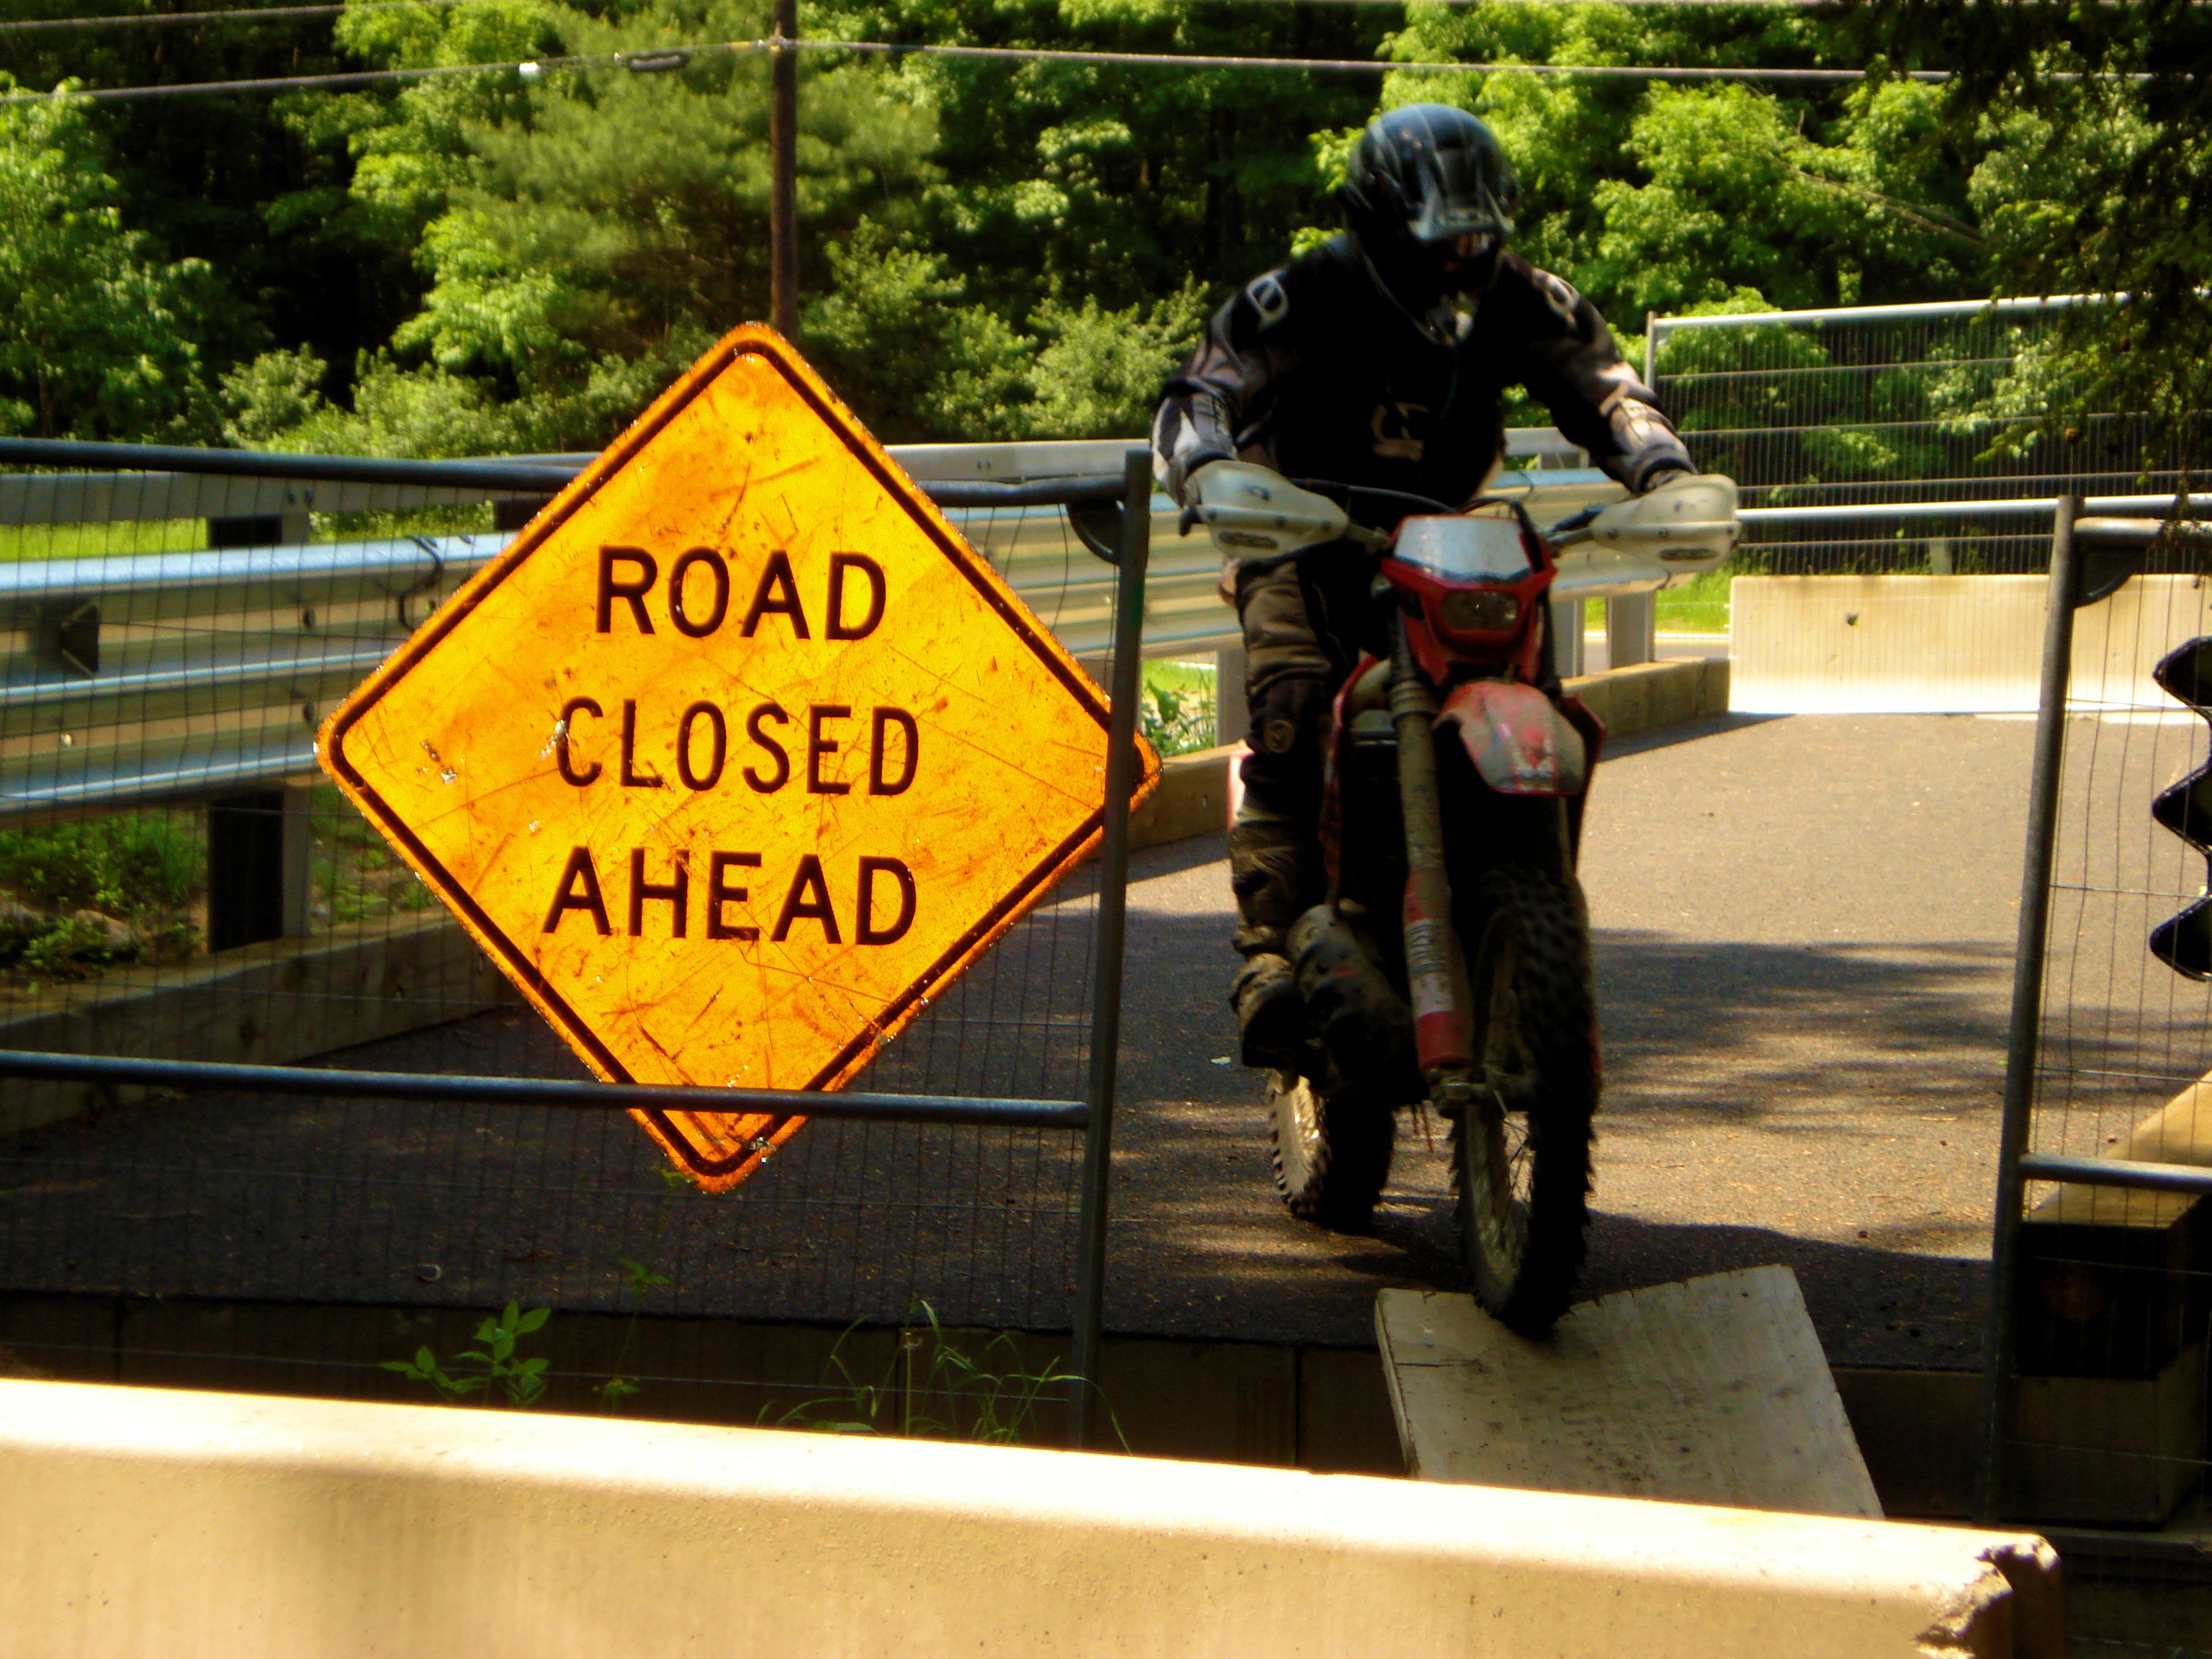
<point x="1829" y="1106"/>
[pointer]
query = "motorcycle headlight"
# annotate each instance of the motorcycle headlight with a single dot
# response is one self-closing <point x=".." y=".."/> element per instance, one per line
<point x="1481" y="611"/>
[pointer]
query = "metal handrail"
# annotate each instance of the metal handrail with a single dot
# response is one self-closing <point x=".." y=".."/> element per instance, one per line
<point x="253" y="1082"/>
<point x="2021" y="507"/>
<point x="2013" y="307"/>
<point x="2136" y="1174"/>
<point x="276" y="464"/>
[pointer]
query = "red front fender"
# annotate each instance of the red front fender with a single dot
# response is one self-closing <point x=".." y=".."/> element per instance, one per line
<point x="1518" y="740"/>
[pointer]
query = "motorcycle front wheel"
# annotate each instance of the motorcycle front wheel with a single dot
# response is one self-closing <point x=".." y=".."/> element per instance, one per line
<point x="1521" y="1150"/>
<point x="1331" y="1152"/>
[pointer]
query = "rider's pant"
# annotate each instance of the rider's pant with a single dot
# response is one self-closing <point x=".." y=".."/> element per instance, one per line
<point x="1306" y="621"/>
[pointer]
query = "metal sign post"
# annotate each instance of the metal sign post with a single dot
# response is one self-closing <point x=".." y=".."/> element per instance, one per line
<point x="1123" y="771"/>
<point x="2027" y="1000"/>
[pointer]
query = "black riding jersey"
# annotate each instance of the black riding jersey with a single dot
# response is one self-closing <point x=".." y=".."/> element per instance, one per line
<point x="1316" y="371"/>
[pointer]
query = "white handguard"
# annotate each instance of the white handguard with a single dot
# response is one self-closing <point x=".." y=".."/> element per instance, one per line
<point x="1686" y="515"/>
<point x="1255" y="513"/>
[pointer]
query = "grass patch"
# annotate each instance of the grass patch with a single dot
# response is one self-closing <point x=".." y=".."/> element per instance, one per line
<point x="1699" y="605"/>
<point x="19" y="542"/>
<point x="1177" y="708"/>
<point x="81" y="897"/>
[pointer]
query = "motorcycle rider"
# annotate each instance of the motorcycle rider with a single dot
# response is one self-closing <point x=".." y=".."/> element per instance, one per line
<point x="1379" y="359"/>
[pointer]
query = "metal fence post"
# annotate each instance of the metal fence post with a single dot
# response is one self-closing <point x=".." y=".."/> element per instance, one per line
<point x="1106" y="971"/>
<point x="2022" y="1045"/>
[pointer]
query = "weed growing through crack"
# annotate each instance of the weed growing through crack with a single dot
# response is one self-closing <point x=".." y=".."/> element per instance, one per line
<point x="932" y="1389"/>
<point x="493" y="1368"/>
<point x="640" y="1277"/>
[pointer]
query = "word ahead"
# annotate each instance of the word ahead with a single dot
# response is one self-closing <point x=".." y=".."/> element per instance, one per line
<point x="806" y="899"/>
<point x="737" y="757"/>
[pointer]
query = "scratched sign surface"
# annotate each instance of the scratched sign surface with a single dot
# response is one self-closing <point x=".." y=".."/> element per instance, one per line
<point x="736" y="757"/>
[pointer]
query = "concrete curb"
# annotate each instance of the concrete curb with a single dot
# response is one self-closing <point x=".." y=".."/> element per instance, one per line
<point x="265" y="1003"/>
<point x="148" y="1521"/>
<point x="1650" y="696"/>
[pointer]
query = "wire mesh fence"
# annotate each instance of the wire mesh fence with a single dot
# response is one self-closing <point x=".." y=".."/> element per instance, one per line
<point x="177" y="882"/>
<point x="1856" y="408"/>
<point x="2100" y="1429"/>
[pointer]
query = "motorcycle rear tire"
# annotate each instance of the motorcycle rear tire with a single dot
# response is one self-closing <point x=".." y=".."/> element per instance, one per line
<point x="1331" y="1152"/>
<point x="1521" y="1177"/>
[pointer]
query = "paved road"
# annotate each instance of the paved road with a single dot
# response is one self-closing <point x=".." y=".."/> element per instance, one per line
<point x="1803" y="936"/>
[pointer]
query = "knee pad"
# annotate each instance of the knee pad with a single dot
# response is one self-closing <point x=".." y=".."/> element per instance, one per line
<point x="1282" y="773"/>
<point x="1274" y="871"/>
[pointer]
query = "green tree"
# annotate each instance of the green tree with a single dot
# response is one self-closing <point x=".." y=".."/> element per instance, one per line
<point x="2093" y="125"/>
<point x="97" y="330"/>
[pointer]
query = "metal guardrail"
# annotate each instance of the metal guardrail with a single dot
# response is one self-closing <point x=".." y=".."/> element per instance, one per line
<point x="137" y="677"/>
<point x="140" y="677"/>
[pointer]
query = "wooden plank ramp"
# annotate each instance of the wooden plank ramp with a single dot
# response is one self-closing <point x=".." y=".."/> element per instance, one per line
<point x="1710" y="1391"/>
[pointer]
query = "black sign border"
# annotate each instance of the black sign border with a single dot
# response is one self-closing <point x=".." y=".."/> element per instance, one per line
<point x="745" y="342"/>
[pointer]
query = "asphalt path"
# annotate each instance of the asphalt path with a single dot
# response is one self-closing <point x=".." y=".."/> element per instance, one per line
<point x="1803" y="935"/>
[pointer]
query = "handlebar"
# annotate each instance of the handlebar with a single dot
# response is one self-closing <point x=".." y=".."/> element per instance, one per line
<point x="1567" y="532"/>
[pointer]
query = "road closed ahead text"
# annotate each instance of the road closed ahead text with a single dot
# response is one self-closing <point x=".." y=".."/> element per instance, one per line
<point x="691" y="749"/>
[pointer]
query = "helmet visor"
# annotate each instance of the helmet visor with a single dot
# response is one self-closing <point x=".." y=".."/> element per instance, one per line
<point x="1458" y="202"/>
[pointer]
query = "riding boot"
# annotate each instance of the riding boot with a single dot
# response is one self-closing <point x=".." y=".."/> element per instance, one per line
<point x="1272" y="870"/>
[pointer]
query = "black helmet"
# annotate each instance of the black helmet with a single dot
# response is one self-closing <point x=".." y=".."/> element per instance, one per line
<point x="1428" y="172"/>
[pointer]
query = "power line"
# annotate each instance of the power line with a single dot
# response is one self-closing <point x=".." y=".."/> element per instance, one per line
<point x="242" y="13"/>
<point x="260" y="13"/>
<point x="657" y="59"/>
<point x="239" y="13"/>
<point x="1363" y="65"/>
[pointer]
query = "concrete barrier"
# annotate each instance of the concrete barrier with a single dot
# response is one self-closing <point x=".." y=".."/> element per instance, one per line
<point x="145" y="1521"/>
<point x="1943" y="645"/>
<point x="1193" y="799"/>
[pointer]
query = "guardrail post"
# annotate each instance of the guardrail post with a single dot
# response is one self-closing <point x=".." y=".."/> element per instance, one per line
<point x="1631" y="629"/>
<point x="258" y="857"/>
<point x="1106" y="969"/>
<point x="258" y="529"/>
<point x="1567" y="637"/>
<point x="1232" y="713"/>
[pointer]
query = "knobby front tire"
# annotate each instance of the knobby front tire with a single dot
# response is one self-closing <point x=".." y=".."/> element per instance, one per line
<point x="1332" y="1153"/>
<point x="1520" y="1151"/>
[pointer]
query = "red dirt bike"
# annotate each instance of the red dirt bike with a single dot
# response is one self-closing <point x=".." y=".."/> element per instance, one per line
<point x="1451" y="963"/>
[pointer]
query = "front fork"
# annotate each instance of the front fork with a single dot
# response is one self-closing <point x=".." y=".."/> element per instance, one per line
<point x="1436" y="966"/>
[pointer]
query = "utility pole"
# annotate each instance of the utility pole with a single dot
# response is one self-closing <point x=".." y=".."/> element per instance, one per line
<point x="783" y="171"/>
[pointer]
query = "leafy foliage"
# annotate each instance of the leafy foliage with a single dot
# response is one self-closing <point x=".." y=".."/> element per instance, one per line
<point x="82" y="896"/>
<point x="932" y="1389"/>
<point x="97" y="333"/>
<point x="2091" y="130"/>
<point x="474" y="263"/>
<point x="491" y="1369"/>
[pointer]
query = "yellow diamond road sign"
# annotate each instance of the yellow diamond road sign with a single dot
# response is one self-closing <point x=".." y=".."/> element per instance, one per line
<point x="738" y="754"/>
